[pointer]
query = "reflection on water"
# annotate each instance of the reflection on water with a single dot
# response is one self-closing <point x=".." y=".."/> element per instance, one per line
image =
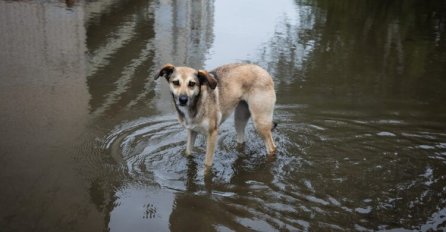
<point x="89" y="141"/>
<point x="363" y="52"/>
<point x="44" y="111"/>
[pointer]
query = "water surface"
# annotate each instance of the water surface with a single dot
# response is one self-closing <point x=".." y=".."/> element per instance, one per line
<point x="89" y="141"/>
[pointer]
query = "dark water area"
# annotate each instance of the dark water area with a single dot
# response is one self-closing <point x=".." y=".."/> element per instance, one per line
<point x="89" y="141"/>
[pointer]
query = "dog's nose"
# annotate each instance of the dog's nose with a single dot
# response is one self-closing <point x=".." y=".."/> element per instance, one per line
<point x="183" y="100"/>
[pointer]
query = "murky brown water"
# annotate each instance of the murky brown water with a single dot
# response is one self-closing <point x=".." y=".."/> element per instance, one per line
<point x="89" y="142"/>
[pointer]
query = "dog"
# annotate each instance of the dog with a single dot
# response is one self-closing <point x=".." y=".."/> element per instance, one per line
<point x="203" y="100"/>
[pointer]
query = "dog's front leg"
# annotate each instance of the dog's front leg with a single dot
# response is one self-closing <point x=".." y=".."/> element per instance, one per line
<point x="191" y="136"/>
<point x="210" y="148"/>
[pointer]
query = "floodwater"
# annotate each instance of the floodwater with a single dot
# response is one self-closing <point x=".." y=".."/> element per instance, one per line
<point x="89" y="141"/>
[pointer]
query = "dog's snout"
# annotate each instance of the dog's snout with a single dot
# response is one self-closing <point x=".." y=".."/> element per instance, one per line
<point x="182" y="100"/>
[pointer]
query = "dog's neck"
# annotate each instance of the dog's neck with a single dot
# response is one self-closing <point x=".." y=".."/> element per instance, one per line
<point x="186" y="114"/>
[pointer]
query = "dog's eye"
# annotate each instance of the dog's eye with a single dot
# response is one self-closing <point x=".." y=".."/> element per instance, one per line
<point x="176" y="83"/>
<point x="191" y="84"/>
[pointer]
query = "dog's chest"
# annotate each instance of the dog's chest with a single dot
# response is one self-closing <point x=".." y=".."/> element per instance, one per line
<point x="200" y="125"/>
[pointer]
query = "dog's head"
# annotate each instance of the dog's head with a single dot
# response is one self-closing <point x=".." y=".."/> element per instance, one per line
<point x="185" y="83"/>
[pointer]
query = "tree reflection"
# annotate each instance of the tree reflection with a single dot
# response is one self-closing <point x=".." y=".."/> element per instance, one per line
<point x="363" y="51"/>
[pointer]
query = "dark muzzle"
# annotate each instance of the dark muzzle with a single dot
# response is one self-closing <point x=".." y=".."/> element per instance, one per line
<point x="182" y="100"/>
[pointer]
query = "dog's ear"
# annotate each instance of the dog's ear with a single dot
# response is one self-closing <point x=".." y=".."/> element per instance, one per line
<point x="207" y="78"/>
<point x="166" y="71"/>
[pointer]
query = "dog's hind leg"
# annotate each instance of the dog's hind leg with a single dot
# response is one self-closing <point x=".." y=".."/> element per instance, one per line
<point x="191" y="136"/>
<point x="262" y="114"/>
<point x="241" y="117"/>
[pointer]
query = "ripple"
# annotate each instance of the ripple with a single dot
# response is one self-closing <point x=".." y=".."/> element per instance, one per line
<point x="386" y="133"/>
<point x="153" y="149"/>
<point x="326" y="171"/>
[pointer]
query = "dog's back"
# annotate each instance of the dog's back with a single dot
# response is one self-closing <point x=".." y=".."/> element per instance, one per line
<point x="243" y="82"/>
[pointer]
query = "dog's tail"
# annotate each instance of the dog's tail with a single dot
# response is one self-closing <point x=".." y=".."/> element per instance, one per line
<point x="274" y="126"/>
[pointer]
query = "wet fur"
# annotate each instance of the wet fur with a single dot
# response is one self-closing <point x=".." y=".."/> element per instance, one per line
<point x="246" y="89"/>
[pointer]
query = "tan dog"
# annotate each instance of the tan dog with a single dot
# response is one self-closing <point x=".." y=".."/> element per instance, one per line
<point x="204" y="100"/>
